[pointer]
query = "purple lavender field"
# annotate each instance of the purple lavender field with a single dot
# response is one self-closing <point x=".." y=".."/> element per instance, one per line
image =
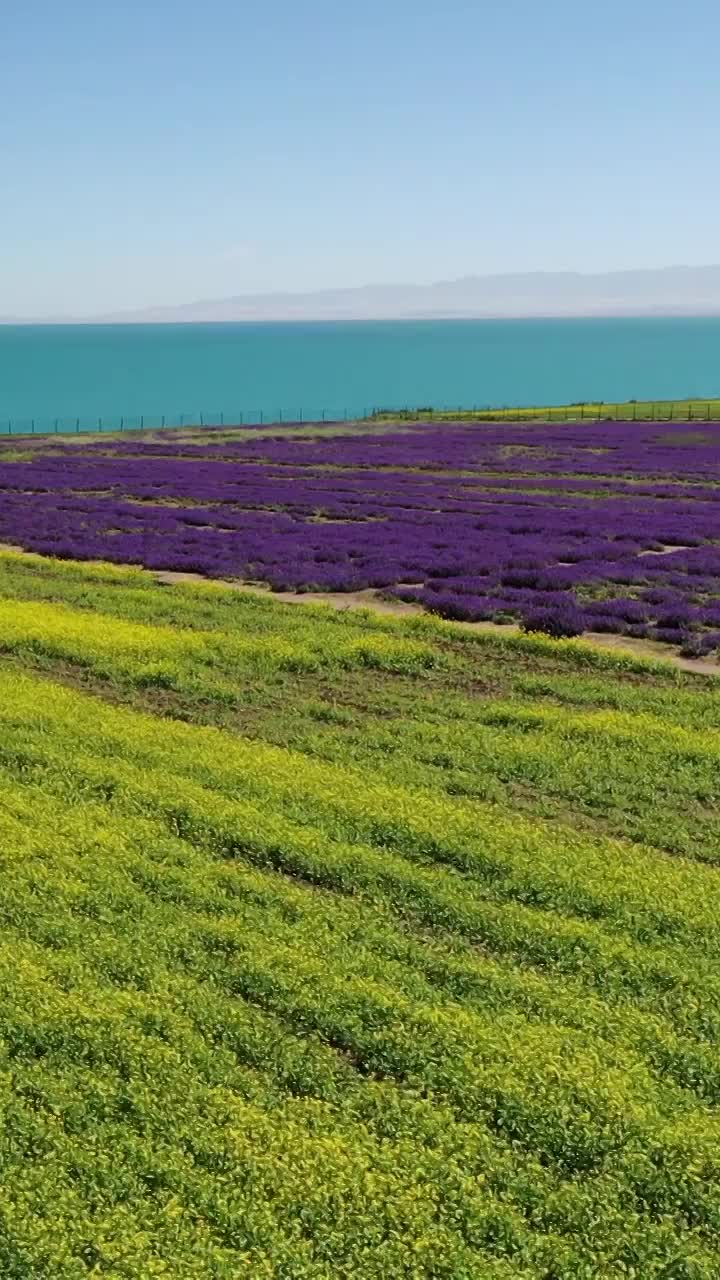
<point x="602" y="527"/>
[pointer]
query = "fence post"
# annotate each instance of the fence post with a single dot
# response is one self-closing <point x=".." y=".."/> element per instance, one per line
<point x="33" y="426"/>
<point x="261" y="417"/>
<point x="122" y="424"/>
<point x="142" y="421"/>
<point x="202" y="424"/>
<point x="690" y="411"/>
<point x="162" y="420"/>
<point x="99" y="424"/>
<point x="77" y="424"/>
<point x="56" y="422"/>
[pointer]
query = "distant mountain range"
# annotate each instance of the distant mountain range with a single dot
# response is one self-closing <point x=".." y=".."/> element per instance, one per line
<point x="679" y="291"/>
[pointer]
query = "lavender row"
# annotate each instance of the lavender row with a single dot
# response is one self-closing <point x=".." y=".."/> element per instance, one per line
<point x="639" y="449"/>
<point x="624" y="540"/>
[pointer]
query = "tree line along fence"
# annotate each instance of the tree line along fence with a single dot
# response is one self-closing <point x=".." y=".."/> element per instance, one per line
<point x="653" y="411"/>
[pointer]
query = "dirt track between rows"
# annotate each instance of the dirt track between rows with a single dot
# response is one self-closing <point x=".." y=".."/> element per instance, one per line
<point x="373" y="600"/>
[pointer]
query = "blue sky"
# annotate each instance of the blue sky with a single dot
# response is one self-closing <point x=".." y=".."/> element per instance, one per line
<point x="171" y="151"/>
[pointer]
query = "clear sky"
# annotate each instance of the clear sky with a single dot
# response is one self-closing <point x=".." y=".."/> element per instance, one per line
<point x="161" y="151"/>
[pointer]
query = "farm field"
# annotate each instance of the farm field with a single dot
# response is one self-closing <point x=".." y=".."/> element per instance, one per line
<point x="337" y="945"/>
<point x="609" y="527"/>
<point x="585" y="410"/>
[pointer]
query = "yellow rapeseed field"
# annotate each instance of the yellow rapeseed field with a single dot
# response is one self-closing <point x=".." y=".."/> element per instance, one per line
<point x="343" y="946"/>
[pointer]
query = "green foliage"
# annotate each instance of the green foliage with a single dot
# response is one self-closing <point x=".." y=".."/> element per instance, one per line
<point x="688" y="410"/>
<point x="339" y="946"/>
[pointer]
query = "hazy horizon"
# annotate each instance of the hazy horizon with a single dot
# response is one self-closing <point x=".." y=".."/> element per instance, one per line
<point x="670" y="291"/>
<point x="168" y="153"/>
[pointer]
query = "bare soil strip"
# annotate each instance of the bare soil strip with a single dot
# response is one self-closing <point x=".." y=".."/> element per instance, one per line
<point x="666" y="550"/>
<point x="373" y="600"/>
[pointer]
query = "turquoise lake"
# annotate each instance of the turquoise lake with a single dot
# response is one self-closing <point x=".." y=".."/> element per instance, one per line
<point x="69" y="374"/>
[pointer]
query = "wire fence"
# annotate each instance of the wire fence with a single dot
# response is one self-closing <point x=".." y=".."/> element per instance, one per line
<point x="190" y="420"/>
<point x="628" y="411"/>
<point x="653" y="411"/>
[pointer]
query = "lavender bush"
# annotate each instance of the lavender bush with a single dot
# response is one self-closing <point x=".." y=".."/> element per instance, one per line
<point x="602" y="527"/>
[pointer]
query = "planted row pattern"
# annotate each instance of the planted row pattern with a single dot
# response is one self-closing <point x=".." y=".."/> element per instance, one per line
<point x="610" y="527"/>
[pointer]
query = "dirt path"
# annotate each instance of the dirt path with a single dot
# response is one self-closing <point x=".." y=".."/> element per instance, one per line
<point x="372" y="599"/>
<point x="666" y="550"/>
<point x="368" y="599"/>
<point x="654" y="649"/>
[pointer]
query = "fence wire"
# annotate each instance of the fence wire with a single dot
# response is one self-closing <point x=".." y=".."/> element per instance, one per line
<point x="657" y="411"/>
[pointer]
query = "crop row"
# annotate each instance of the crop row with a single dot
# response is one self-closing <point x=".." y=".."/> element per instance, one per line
<point x="303" y="1082"/>
<point x="631" y="759"/>
<point x="606" y="527"/>
<point x="325" y="951"/>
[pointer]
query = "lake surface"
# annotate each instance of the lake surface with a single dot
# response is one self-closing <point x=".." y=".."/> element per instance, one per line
<point x="82" y="373"/>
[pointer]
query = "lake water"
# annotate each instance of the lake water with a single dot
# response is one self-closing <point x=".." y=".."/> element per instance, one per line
<point x="82" y="373"/>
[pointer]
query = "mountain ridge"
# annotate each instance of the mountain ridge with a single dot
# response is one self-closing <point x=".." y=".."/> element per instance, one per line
<point x="674" y="290"/>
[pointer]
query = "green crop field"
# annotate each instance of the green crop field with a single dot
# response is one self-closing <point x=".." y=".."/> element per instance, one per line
<point x="339" y="945"/>
<point x="692" y="410"/>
